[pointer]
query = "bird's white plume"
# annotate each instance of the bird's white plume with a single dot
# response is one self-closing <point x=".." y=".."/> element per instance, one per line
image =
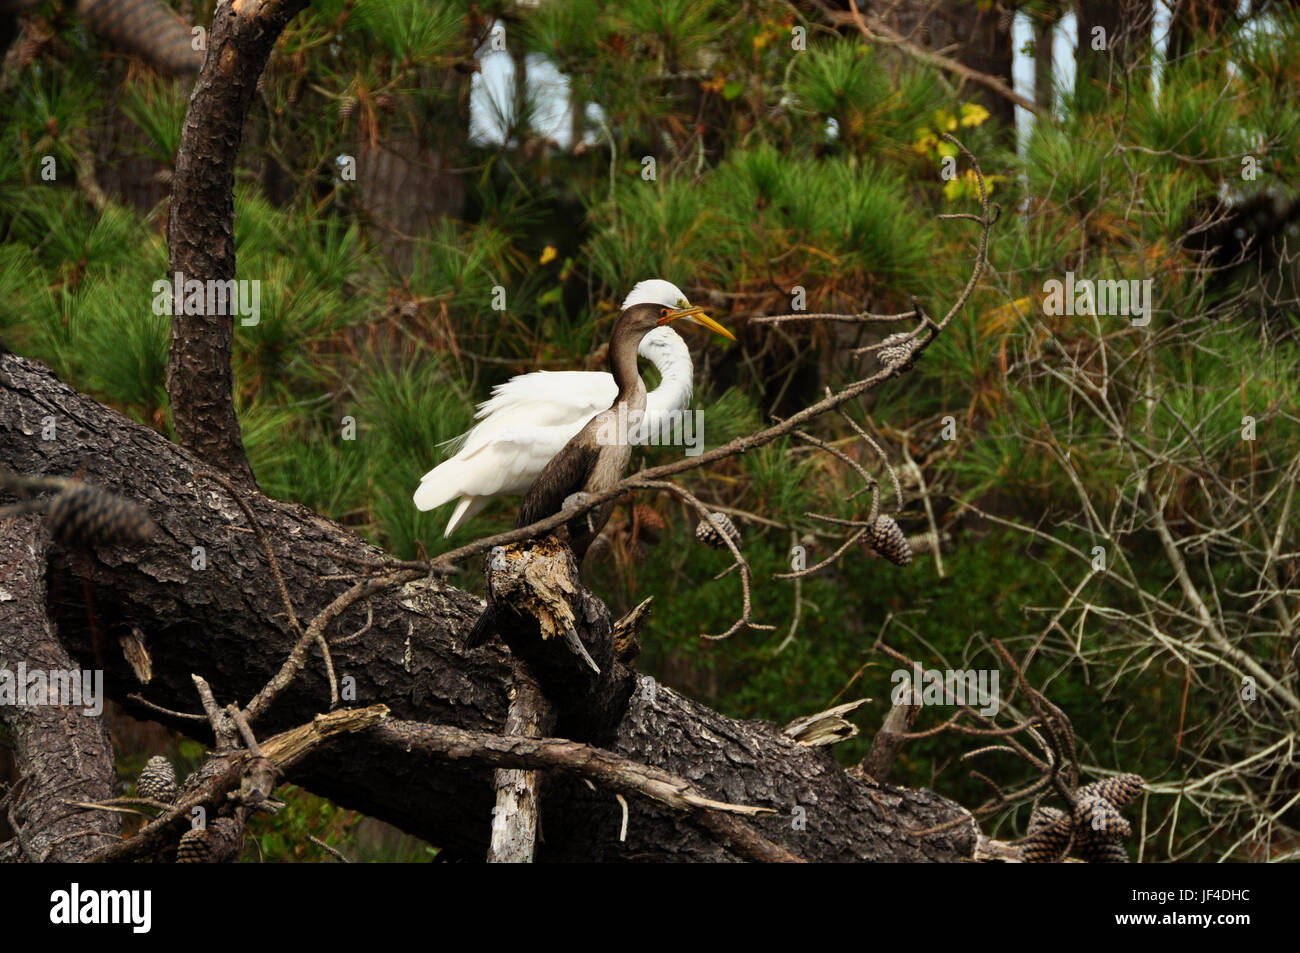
<point x="656" y="291"/>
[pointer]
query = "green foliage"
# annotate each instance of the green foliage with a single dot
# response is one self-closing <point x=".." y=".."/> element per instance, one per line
<point x="158" y="107"/>
<point x="773" y="170"/>
<point x="731" y="415"/>
<point x="410" y="29"/>
<point x="841" y="76"/>
<point x="416" y="405"/>
<point x="1192" y="115"/>
<point x="286" y="835"/>
<point x="1066" y="165"/>
<point x="839" y="218"/>
<point x="846" y="82"/>
<point x="125" y="347"/>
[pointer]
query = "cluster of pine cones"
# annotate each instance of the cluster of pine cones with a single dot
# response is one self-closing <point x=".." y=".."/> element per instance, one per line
<point x="1095" y="832"/>
<point x="157" y="782"/>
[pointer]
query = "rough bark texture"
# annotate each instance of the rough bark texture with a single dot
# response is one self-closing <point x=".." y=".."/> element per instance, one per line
<point x="200" y="227"/>
<point x="62" y="753"/>
<point x="822" y="812"/>
<point x="226" y="622"/>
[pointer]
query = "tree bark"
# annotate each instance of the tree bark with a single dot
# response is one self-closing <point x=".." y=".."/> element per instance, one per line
<point x="62" y="750"/>
<point x="201" y="232"/>
<point x="890" y="739"/>
<point x="202" y="593"/>
<point x="1045" y="59"/>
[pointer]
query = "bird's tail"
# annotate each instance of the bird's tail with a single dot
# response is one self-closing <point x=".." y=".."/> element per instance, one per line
<point x="483" y="630"/>
<point x="436" y="488"/>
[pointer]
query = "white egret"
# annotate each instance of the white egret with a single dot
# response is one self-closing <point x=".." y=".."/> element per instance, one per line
<point x="529" y="418"/>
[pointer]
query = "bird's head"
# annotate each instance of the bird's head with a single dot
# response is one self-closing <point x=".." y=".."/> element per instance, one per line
<point x="656" y="303"/>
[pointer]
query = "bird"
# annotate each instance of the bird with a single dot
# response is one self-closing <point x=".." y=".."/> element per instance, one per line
<point x="529" y="418"/>
<point x="594" y="459"/>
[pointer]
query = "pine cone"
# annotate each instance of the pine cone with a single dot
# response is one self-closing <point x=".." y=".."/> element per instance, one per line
<point x="1119" y="790"/>
<point x="1049" y="836"/>
<point x="147" y="28"/>
<point x="1099" y="828"/>
<point x="1044" y="817"/>
<point x="347" y="106"/>
<point x="898" y="350"/>
<point x="648" y="521"/>
<point x="1098" y="819"/>
<point x="158" y="780"/>
<point x="195" y="846"/>
<point x="711" y="532"/>
<point x="82" y="514"/>
<point x="886" y="538"/>
<point x="1103" y="852"/>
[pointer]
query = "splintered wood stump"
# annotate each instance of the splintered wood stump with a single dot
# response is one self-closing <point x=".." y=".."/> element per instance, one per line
<point x="542" y="610"/>
<point x="515" y="817"/>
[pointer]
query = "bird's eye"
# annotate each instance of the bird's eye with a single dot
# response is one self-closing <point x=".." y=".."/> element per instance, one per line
<point x="663" y="312"/>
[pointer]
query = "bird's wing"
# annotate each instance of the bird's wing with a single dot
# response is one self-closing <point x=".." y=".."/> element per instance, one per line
<point x="507" y="461"/>
<point x="539" y="399"/>
<point x="565" y="475"/>
<point x="527" y="420"/>
<point x="551" y="397"/>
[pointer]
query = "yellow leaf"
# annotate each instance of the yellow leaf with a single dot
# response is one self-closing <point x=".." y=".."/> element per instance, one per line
<point x="548" y="255"/>
<point x="972" y="114"/>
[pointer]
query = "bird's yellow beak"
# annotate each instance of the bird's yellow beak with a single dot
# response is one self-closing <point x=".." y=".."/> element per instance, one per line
<point x="697" y="316"/>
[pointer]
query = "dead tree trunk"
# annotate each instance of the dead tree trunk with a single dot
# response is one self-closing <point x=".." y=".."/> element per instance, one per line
<point x="203" y="595"/>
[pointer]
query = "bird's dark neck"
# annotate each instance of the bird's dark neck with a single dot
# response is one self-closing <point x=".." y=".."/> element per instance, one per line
<point x="622" y="364"/>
